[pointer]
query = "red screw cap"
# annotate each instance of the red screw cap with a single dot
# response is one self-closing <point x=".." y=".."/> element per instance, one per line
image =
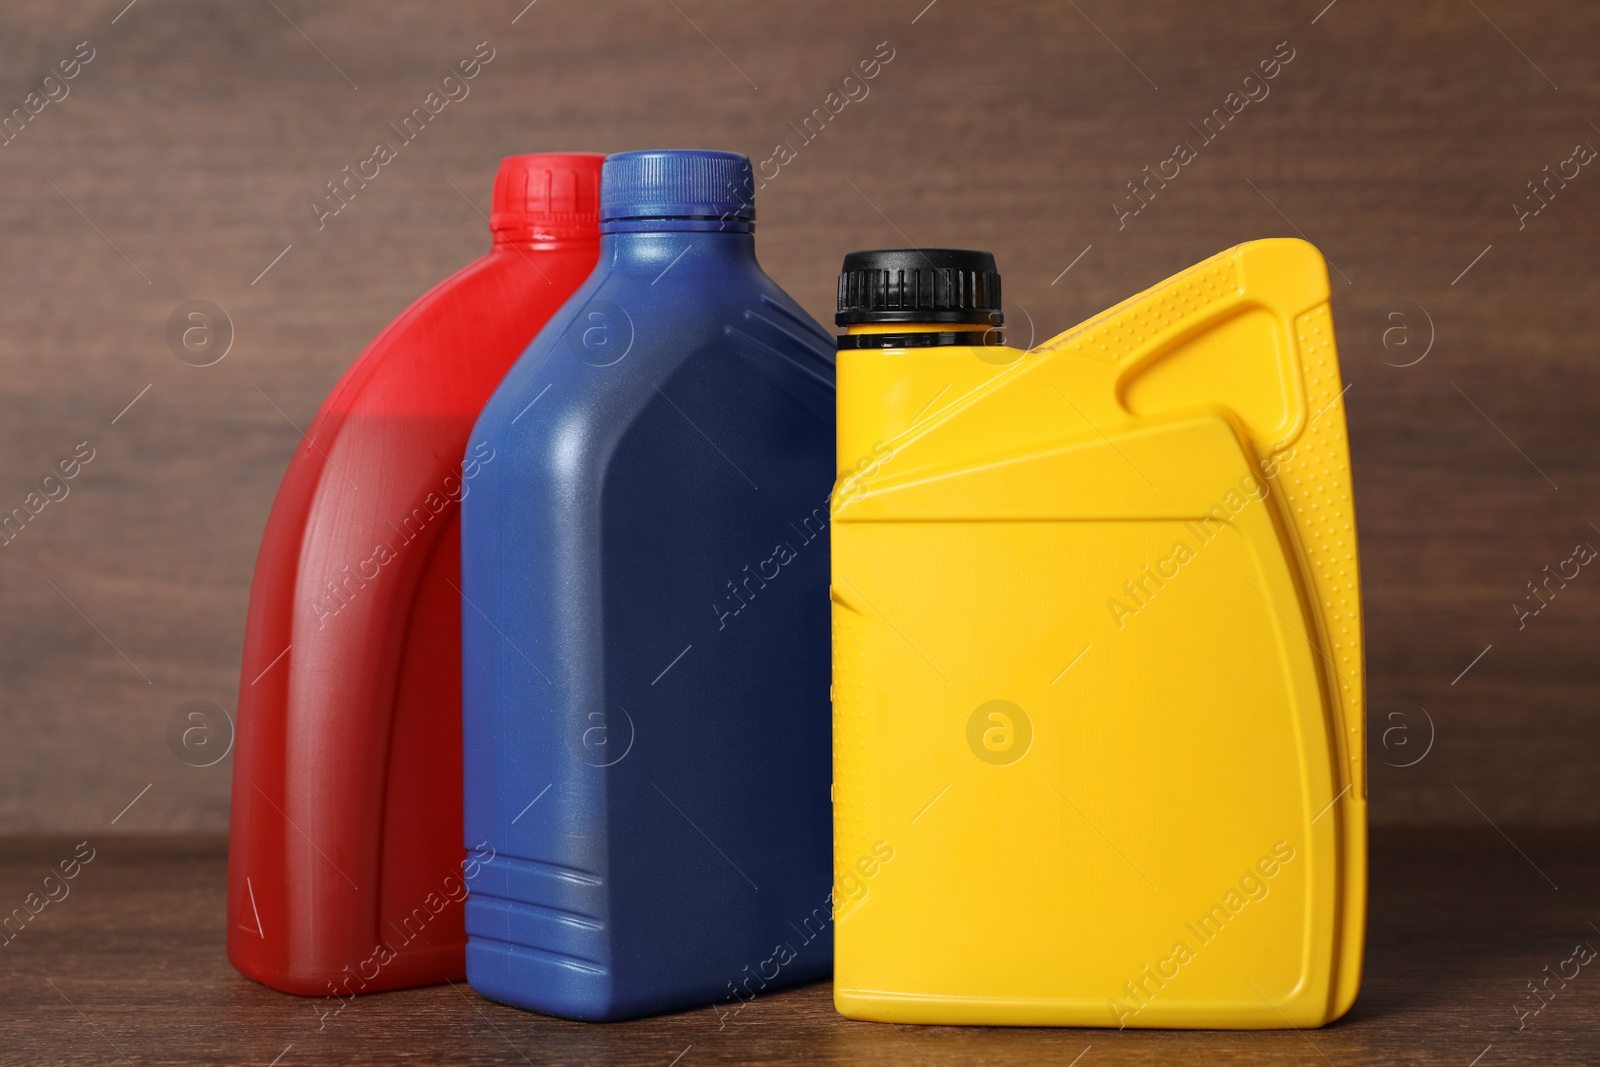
<point x="548" y="197"/>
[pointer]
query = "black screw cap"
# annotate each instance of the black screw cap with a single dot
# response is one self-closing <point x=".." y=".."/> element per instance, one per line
<point x="932" y="285"/>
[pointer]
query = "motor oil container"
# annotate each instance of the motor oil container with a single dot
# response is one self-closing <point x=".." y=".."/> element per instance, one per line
<point x="1098" y="676"/>
<point x="645" y="627"/>
<point x="345" y="859"/>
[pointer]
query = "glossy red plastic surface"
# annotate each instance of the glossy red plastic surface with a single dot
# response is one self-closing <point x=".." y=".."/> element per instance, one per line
<point x="345" y="853"/>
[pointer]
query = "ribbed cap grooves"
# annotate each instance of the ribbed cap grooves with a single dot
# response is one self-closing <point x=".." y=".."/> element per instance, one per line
<point x="933" y="285"/>
<point x="677" y="184"/>
<point x="550" y="196"/>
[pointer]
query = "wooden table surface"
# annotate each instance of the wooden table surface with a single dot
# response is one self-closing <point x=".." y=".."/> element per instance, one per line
<point x="129" y="968"/>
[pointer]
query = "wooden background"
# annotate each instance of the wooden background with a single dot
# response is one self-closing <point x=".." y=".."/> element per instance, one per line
<point x="1397" y="139"/>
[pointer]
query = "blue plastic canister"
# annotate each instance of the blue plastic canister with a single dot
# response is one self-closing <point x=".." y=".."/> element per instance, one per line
<point x="645" y="623"/>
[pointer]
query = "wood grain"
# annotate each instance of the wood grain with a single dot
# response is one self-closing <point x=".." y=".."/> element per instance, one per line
<point x="185" y="158"/>
<point x="131" y="965"/>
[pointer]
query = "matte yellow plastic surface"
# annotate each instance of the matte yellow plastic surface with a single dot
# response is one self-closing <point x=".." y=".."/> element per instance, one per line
<point x="1098" y="673"/>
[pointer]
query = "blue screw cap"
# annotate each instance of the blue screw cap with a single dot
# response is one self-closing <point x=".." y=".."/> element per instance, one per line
<point x="714" y="189"/>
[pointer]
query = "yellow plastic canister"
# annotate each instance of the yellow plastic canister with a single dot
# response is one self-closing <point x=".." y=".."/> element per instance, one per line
<point x="1098" y="673"/>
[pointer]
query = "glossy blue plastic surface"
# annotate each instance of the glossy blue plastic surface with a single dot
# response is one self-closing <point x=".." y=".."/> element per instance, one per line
<point x="646" y="643"/>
